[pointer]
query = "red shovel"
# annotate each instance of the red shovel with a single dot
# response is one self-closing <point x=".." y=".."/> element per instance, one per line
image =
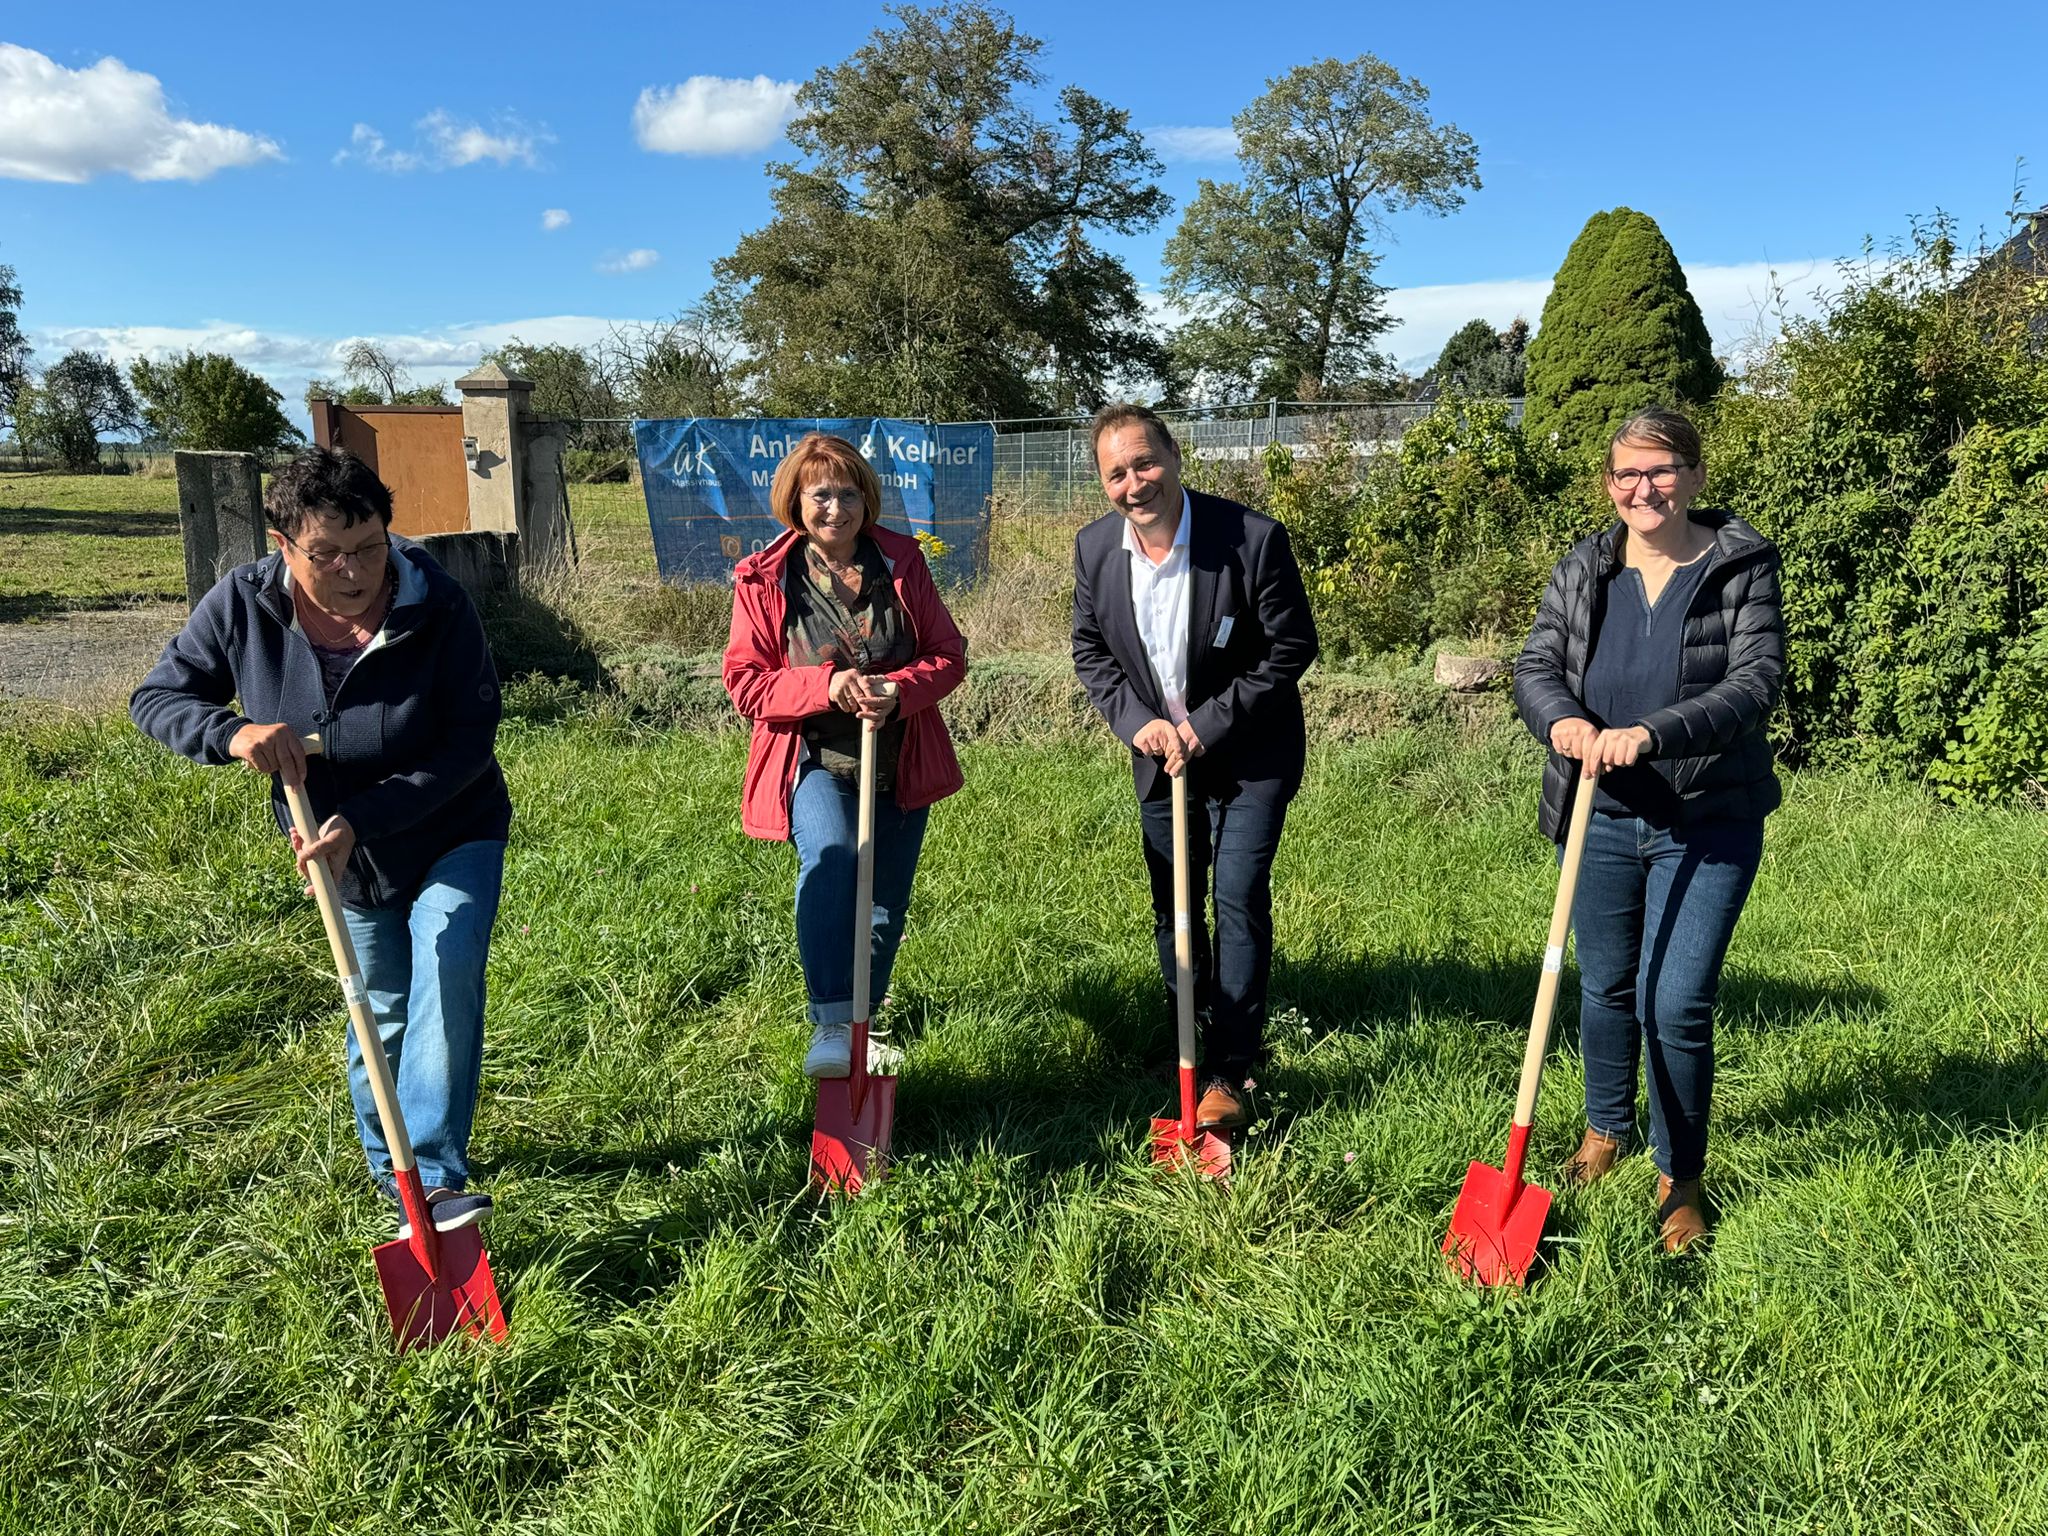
<point x="1177" y="1141"/>
<point x="850" y="1147"/>
<point x="1499" y="1219"/>
<point x="434" y="1282"/>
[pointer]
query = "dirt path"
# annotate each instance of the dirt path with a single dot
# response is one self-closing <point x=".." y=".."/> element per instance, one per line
<point x="88" y="660"/>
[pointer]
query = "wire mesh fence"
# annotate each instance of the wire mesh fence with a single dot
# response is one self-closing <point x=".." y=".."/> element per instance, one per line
<point x="1047" y="463"/>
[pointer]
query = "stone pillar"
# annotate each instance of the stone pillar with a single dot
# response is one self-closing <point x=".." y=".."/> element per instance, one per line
<point x="220" y="514"/>
<point x="494" y="442"/>
<point x="547" y="538"/>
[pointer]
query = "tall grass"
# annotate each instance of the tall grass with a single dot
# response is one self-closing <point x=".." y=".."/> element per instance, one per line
<point x="1025" y="1329"/>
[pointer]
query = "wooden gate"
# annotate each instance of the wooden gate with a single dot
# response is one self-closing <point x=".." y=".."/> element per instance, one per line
<point x="414" y="449"/>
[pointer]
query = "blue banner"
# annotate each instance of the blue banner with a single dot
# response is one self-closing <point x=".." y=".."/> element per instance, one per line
<point x="707" y="482"/>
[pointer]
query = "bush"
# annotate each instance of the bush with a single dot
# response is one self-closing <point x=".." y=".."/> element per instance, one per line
<point x="1450" y="538"/>
<point x="1893" y="446"/>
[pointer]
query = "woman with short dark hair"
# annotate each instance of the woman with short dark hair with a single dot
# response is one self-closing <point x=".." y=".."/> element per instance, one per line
<point x="819" y="617"/>
<point x="1657" y="655"/>
<point x="347" y="632"/>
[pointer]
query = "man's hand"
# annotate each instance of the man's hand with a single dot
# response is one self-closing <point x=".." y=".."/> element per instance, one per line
<point x="1190" y="743"/>
<point x="1618" y="748"/>
<point x="335" y="841"/>
<point x="1158" y="738"/>
<point x="271" y="749"/>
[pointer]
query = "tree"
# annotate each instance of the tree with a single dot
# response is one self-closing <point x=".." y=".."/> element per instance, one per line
<point x="79" y="398"/>
<point x="372" y="376"/>
<point x="204" y="400"/>
<point x="1274" y="267"/>
<point x="1478" y="360"/>
<point x="1620" y="331"/>
<point x="933" y="254"/>
<point x="14" y="348"/>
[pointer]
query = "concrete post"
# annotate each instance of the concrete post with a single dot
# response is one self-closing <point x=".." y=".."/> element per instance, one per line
<point x="494" y="442"/>
<point x="220" y="515"/>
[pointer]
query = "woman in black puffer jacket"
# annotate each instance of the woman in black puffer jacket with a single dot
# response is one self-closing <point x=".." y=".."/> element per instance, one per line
<point x="1657" y="654"/>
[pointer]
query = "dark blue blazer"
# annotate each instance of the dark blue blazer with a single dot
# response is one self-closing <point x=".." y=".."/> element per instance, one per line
<point x="1243" y="695"/>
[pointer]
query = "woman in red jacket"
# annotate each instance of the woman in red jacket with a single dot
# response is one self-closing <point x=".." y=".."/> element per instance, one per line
<point x="818" y="617"/>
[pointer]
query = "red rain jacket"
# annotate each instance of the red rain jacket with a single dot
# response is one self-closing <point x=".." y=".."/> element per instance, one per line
<point x="778" y="697"/>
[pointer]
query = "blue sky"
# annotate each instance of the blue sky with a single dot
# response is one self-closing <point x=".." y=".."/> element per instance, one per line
<point x="296" y="176"/>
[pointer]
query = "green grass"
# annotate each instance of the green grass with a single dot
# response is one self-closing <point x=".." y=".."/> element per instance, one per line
<point x="1025" y="1330"/>
<point x="87" y="541"/>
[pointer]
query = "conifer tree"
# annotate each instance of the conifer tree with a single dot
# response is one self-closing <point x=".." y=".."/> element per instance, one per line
<point x="1620" y="331"/>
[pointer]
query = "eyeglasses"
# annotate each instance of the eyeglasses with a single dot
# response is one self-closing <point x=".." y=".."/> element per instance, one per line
<point x="849" y="498"/>
<point x="1662" y="477"/>
<point x="323" y="558"/>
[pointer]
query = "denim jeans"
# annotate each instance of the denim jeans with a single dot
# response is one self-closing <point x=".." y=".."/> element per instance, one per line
<point x="1653" y="915"/>
<point x="423" y="966"/>
<point x="1241" y="823"/>
<point x="824" y="823"/>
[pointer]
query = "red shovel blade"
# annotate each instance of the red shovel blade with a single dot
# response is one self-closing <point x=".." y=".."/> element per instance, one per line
<point x="1208" y="1150"/>
<point x="850" y="1148"/>
<point x="425" y="1309"/>
<point x="1496" y="1226"/>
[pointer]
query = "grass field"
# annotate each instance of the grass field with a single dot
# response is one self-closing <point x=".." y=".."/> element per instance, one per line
<point x="1024" y="1330"/>
<point x="86" y="541"/>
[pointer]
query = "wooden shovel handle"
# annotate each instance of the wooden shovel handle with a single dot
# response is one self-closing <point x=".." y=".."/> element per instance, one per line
<point x="864" y="865"/>
<point x="1553" y="953"/>
<point x="351" y="974"/>
<point x="1183" y="940"/>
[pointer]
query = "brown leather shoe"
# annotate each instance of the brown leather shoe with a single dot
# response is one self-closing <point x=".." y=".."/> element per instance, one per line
<point x="1223" y="1107"/>
<point x="1681" y="1213"/>
<point x="1595" y="1159"/>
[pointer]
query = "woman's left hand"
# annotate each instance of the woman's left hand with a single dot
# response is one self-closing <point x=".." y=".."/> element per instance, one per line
<point x="334" y="843"/>
<point x="1618" y="748"/>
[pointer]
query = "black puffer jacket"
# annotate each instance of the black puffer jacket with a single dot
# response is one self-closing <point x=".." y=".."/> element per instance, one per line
<point x="1710" y="745"/>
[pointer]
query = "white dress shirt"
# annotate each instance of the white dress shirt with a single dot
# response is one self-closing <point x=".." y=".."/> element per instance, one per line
<point x="1159" y="603"/>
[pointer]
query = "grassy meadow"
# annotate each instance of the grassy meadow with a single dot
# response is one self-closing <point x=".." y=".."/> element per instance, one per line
<point x="1025" y="1329"/>
<point x="71" y="542"/>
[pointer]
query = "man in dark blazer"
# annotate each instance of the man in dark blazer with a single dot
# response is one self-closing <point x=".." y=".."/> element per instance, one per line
<point x="1191" y="632"/>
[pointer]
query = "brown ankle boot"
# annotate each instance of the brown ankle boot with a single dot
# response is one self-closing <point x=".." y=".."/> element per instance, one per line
<point x="1681" y="1213"/>
<point x="1595" y="1159"/>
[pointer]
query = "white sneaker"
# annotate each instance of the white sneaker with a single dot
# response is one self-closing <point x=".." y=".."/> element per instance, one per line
<point x="831" y="1052"/>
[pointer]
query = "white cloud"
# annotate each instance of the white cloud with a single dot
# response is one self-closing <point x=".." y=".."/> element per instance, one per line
<point x="291" y="360"/>
<point x="70" y="125"/>
<point x="707" y="115"/>
<point x="1730" y="299"/>
<point x="446" y="142"/>
<point x="552" y="219"/>
<point x="632" y="261"/>
<point x="1178" y="144"/>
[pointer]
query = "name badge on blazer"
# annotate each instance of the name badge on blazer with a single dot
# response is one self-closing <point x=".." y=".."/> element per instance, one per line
<point x="1223" y="629"/>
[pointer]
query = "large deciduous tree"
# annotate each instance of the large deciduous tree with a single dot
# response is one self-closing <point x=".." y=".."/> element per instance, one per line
<point x="1275" y="268"/>
<point x="14" y="348"/>
<point x="1620" y="331"/>
<point x="934" y="252"/>
<point x="208" y="401"/>
<point x="80" y="397"/>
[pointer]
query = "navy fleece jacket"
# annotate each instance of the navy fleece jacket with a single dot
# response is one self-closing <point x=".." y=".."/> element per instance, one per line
<point x="407" y="746"/>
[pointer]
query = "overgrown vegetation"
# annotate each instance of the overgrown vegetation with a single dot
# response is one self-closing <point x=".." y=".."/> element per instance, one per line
<point x="1025" y="1330"/>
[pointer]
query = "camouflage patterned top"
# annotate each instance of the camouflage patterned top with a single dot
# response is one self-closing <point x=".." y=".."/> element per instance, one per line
<point x="870" y="633"/>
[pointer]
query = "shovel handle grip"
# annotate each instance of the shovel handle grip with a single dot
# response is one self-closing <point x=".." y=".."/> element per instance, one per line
<point x="350" y="972"/>
<point x="1553" y="958"/>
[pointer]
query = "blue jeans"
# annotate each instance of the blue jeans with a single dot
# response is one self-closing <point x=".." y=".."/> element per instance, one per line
<point x="1241" y="824"/>
<point x="423" y="965"/>
<point x="824" y="823"/>
<point x="1653" y="915"/>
